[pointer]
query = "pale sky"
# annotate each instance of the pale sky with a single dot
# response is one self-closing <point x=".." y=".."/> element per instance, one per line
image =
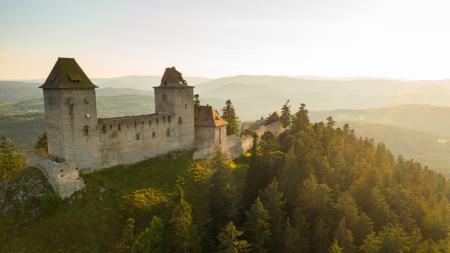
<point x="330" y="38"/>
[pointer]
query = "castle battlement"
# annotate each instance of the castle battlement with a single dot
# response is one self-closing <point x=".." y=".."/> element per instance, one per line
<point x="80" y="141"/>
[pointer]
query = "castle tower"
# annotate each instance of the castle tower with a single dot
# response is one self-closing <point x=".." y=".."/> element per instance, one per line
<point x="70" y="113"/>
<point x="174" y="99"/>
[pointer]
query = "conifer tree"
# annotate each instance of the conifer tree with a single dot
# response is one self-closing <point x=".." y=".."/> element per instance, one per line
<point x="42" y="142"/>
<point x="10" y="160"/>
<point x="335" y="248"/>
<point x="222" y="194"/>
<point x="182" y="232"/>
<point x="301" y="119"/>
<point x="286" y="117"/>
<point x="153" y="239"/>
<point x="229" y="114"/>
<point x="229" y="240"/>
<point x="274" y="203"/>
<point x="196" y="100"/>
<point x="129" y="242"/>
<point x="257" y="227"/>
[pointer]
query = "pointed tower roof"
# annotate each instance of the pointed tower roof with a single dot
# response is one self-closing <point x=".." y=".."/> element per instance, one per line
<point x="67" y="74"/>
<point x="173" y="78"/>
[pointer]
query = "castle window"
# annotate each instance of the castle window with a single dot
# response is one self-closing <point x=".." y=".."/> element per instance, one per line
<point x="164" y="96"/>
<point x="185" y="106"/>
<point x="104" y="129"/>
<point x="165" y="83"/>
<point x="135" y="124"/>
<point x="86" y="130"/>
<point x="164" y="119"/>
<point x="149" y="122"/>
<point x="110" y="126"/>
<point x="168" y="132"/>
<point x="138" y="136"/>
<point x="153" y="134"/>
<point x="157" y="121"/>
<point x="74" y="78"/>
<point x="120" y="127"/>
<point x="169" y="118"/>
<point x="180" y="120"/>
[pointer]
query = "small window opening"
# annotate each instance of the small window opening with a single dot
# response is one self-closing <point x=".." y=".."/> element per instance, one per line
<point x="149" y="122"/>
<point x="168" y="132"/>
<point x="157" y="121"/>
<point x="164" y="119"/>
<point x="135" y="124"/>
<point x="169" y="118"/>
<point x="86" y="130"/>
<point x="110" y="126"/>
<point x="119" y="127"/>
<point x="185" y="106"/>
<point x="142" y="123"/>
<point x="104" y="129"/>
<point x="138" y="136"/>
<point x="153" y="134"/>
<point x="164" y="96"/>
<point x="180" y="120"/>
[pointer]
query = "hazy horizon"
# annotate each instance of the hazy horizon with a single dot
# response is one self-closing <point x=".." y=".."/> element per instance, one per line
<point x="325" y="38"/>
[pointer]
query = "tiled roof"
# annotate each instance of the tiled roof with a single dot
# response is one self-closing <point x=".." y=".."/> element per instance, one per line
<point x="206" y="116"/>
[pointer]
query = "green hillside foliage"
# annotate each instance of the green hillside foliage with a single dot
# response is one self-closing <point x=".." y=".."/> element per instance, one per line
<point x="315" y="188"/>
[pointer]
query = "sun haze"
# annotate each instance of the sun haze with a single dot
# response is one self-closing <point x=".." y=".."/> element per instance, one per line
<point x="383" y="38"/>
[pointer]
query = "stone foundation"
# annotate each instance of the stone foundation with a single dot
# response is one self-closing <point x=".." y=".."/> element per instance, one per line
<point x="63" y="177"/>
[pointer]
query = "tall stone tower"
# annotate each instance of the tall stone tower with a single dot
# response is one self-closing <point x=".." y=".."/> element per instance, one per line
<point x="70" y="113"/>
<point x="174" y="100"/>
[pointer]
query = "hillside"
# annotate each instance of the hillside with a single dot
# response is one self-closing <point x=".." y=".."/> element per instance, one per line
<point x="426" y="148"/>
<point x="425" y="118"/>
<point x="256" y="95"/>
<point x="13" y="91"/>
<point x="332" y="190"/>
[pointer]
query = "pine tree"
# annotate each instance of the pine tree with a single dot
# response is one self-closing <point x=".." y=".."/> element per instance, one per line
<point x="42" y="142"/>
<point x="293" y="240"/>
<point x="222" y="193"/>
<point x="128" y="240"/>
<point x="10" y="160"/>
<point x="196" y="100"/>
<point x="286" y="117"/>
<point x="335" y="248"/>
<point x="229" y="240"/>
<point x="153" y="240"/>
<point x="257" y="227"/>
<point x="300" y="120"/>
<point x="229" y="114"/>
<point x="274" y="203"/>
<point x="182" y="232"/>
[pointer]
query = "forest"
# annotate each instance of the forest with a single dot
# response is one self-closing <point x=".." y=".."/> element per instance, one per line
<point x="315" y="188"/>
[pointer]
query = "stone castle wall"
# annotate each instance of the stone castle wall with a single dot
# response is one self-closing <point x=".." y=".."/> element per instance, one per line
<point x="126" y="140"/>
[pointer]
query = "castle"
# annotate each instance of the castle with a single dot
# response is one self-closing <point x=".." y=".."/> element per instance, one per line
<point x="80" y="141"/>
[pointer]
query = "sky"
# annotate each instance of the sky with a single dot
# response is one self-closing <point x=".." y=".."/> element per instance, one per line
<point x="407" y="39"/>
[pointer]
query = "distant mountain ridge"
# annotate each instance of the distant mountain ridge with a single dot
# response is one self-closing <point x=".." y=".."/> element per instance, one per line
<point x="256" y="96"/>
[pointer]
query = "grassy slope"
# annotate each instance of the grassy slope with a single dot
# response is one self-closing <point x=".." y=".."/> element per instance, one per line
<point x="93" y="219"/>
